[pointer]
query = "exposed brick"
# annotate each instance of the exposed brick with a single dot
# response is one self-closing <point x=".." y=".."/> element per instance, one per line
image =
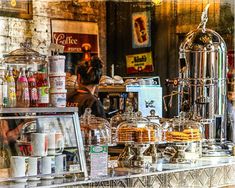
<point x="14" y="31"/>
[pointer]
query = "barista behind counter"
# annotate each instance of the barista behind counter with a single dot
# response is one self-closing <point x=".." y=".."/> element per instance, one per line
<point x="89" y="74"/>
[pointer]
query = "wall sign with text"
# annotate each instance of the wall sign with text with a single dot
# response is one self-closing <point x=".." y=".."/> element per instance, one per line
<point x="73" y="34"/>
<point x="137" y="63"/>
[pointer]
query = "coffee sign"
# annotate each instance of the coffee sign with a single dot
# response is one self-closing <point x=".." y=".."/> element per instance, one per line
<point x="137" y="63"/>
<point x="73" y="42"/>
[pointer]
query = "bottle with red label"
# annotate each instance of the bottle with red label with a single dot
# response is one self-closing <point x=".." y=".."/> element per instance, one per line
<point x="22" y="91"/>
<point x="43" y="89"/>
<point x="33" y="93"/>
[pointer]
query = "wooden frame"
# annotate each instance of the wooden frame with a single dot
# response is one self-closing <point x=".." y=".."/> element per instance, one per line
<point x="16" y="8"/>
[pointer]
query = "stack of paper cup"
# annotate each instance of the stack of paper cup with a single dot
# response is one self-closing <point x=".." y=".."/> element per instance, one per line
<point x="57" y="81"/>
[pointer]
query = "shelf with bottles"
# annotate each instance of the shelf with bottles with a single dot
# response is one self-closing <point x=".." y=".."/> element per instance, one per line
<point x="27" y="79"/>
<point x="25" y="89"/>
<point x="47" y="143"/>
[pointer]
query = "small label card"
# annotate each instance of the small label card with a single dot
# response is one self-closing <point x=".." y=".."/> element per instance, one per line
<point x="99" y="161"/>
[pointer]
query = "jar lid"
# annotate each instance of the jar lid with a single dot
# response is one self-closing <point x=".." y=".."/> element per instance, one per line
<point x="24" y="55"/>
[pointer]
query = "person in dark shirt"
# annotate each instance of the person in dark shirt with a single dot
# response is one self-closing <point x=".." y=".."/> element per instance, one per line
<point x="89" y="74"/>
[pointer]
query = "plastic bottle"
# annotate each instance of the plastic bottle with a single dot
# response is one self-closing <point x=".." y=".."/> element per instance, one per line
<point x="22" y="92"/>
<point x="33" y="93"/>
<point x="43" y="89"/>
<point x="11" y="89"/>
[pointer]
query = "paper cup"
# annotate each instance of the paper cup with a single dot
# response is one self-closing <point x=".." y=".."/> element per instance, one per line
<point x="57" y="63"/>
<point x="58" y="98"/>
<point x="57" y="81"/>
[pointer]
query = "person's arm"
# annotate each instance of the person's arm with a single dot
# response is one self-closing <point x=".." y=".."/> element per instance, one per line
<point x="3" y="131"/>
<point x="14" y="134"/>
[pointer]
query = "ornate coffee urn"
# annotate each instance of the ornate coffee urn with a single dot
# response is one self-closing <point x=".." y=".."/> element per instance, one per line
<point x="202" y="80"/>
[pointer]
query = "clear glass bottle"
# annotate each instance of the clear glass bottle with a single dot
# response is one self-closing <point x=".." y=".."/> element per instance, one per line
<point x="33" y="94"/>
<point x="11" y="89"/>
<point x="22" y="93"/>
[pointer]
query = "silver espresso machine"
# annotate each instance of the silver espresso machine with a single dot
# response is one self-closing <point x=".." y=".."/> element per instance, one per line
<point x="202" y="84"/>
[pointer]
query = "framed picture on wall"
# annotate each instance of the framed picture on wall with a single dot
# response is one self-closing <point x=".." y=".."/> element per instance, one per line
<point x="141" y="29"/>
<point x="16" y="8"/>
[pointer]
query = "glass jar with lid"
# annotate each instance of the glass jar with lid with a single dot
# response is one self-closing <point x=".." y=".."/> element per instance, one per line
<point x="95" y="130"/>
<point x="25" y="57"/>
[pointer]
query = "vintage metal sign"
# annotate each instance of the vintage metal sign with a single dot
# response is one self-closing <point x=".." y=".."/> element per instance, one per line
<point x="139" y="63"/>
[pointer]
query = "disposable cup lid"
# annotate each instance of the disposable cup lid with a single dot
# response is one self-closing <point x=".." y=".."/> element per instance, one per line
<point x="57" y="57"/>
<point x="57" y="91"/>
<point x="54" y="74"/>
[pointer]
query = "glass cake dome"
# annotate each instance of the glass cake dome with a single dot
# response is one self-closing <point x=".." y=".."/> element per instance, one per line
<point x="182" y="129"/>
<point x="95" y="130"/>
<point x="137" y="129"/>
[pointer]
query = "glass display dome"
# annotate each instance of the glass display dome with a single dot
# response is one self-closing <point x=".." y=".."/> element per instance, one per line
<point x="137" y="129"/>
<point x="95" y="130"/>
<point x="183" y="130"/>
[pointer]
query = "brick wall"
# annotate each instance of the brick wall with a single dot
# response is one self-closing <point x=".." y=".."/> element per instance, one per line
<point x="13" y="31"/>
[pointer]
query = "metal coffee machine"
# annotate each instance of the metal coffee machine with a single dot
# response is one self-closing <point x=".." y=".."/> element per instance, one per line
<point x="202" y="84"/>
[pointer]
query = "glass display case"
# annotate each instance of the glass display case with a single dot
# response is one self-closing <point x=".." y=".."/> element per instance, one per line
<point x="41" y="143"/>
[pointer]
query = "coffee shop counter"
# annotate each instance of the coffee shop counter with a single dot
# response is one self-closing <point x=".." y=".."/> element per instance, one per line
<point x="207" y="172"/>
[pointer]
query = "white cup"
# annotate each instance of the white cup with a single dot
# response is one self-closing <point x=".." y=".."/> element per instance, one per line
<point x="55" y="143"/>
<point x="19" y="168"/>
<point x="39" y="143"/>
<point x="48" y="166"/>
<point x="34" y="167"/>
<point x="60" y="164"/>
